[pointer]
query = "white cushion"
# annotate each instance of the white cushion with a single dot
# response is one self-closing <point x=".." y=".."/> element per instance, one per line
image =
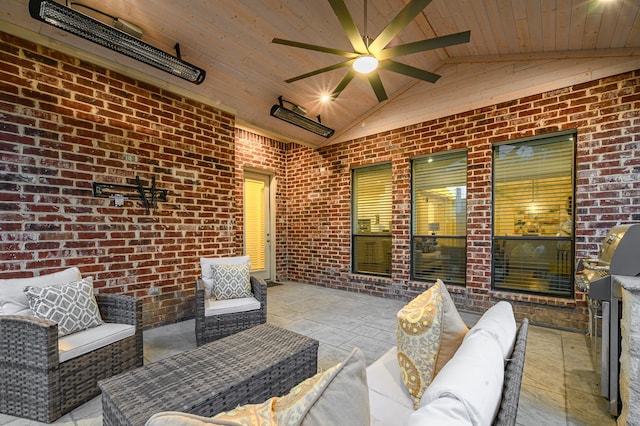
<point x="500" y="323"/>
<point x="230" y="306"/>
<point x="72" y="305"/>
<point x="207" y="272"/>
<point x="385" y="411"/>
<point x="86" y="341"/>
<point x="13" y="301"/>
<point x="443" y="411"/>
<point x="384" y="377"/>
<point x="389" y="399"/>
<point x="474" y="376"/>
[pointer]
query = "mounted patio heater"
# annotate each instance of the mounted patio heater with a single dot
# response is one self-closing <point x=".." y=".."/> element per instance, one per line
<point x="93" y="30"/>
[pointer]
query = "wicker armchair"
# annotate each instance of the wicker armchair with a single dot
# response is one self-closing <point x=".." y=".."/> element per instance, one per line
<point x="37" y="386"/>
<point x="213" y="327"/>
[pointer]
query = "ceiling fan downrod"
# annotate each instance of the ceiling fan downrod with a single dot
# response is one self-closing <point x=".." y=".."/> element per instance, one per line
<point x="366" y="62"/>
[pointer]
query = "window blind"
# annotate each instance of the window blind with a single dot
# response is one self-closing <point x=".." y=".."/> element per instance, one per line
<point x="533" y="215"/>
<point x="371" y="219"/>
<point x="439" y="217"/>
<point x="254" y="222"/>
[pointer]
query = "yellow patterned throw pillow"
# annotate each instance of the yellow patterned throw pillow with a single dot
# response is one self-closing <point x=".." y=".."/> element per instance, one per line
<point x="336" y="396"/>
<point x="429" y="332"/>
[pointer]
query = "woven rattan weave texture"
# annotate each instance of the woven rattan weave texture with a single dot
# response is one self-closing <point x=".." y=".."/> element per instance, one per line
<point x="247" y="367"/>
<point x="508" y="410"/>
<point x="33" y="384"/>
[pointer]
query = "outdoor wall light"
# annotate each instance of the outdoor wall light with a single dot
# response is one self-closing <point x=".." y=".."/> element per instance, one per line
<point x="296" y="116"/>
<point x="93" y="30"/>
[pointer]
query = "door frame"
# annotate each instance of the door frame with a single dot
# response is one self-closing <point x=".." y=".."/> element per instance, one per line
<point x="270" y="227"/>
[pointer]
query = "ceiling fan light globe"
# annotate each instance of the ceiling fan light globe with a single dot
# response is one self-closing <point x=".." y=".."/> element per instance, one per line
<point x="365" y="64"/>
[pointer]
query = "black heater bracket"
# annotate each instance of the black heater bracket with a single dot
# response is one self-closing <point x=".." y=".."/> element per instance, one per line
<point x="149" y="196"/>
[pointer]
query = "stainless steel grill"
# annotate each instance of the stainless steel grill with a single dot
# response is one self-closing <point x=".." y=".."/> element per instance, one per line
<point x="618" y="256"/>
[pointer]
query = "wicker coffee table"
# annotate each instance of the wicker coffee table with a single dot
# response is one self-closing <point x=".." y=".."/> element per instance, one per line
<point x="244" y="368"/>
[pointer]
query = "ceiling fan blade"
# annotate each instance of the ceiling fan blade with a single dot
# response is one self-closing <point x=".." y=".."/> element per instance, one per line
<point x="340" y="87"/>
<point x="315" y="47"/>
<point x="321" y="70"/>
<point x="397" y="24"/>
<point x="409" y="71"/>
<point x="349" y="27"/>
<point x="376" y="85"/>
<point x="423" y="45"/>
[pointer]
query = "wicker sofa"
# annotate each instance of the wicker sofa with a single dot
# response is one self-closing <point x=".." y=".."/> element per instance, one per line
<point x="44" y="376"/>
<point x="390" y="404"/>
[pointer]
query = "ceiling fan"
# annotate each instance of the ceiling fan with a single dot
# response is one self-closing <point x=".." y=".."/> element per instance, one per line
<point x="370" y="55"/>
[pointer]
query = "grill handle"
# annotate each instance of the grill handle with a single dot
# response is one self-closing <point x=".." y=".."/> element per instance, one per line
<point x="595" y="265"/>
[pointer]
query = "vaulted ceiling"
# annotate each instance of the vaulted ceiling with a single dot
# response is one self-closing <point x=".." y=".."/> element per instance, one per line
<point x="517" y="48"/>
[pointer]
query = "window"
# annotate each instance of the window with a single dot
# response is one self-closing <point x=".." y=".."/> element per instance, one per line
<point x="439" y="218"/>
<point x="371" y="220"/>
<point x="533" y="216"/>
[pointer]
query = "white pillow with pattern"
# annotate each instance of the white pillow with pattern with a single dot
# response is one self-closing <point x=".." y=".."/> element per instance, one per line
<point x="72" y="306"/>
<point x="231" y="281"/>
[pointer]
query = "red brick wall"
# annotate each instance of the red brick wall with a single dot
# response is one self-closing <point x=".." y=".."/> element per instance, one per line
<point x="606" y="116"/>
<point x="65" y="124"/>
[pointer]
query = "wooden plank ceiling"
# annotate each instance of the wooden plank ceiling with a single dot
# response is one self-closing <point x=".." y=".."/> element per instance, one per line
<point x="517" y="47"/>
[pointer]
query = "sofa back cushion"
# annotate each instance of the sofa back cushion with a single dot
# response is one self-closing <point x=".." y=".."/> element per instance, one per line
<point x="471" y="382"/>
<point x="13" y="300"/>
<point x="473" y="378"/>
<point x="429" y="332"/>
<point x="500" y="323"/>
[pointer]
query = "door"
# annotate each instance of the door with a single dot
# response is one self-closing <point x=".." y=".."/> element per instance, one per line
<point x="258" y="224"/>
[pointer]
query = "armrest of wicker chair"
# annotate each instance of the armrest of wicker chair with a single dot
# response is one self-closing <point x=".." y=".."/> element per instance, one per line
<point x="30" y="367"/>
<point x="121" y="309"/>
<point x="200" y="298"/>
<point x="28" y="341"/>
<point x="259" y="289"/>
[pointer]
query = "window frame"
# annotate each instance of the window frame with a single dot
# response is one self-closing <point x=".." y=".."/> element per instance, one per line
<point x="372" y="234"/>
<point x="498" y="253"/>
<point x="454" y="273"/>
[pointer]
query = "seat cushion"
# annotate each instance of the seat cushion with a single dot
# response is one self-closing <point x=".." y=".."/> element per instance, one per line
<point x="230" y="306"/>
<point x="85" y="341"/>
<point x="207" y="272"/>
<point x="72" y="305"/>
<point x="13" y="301"/>
<point x="429" y="332"/>
<point x="389" y="399"/>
